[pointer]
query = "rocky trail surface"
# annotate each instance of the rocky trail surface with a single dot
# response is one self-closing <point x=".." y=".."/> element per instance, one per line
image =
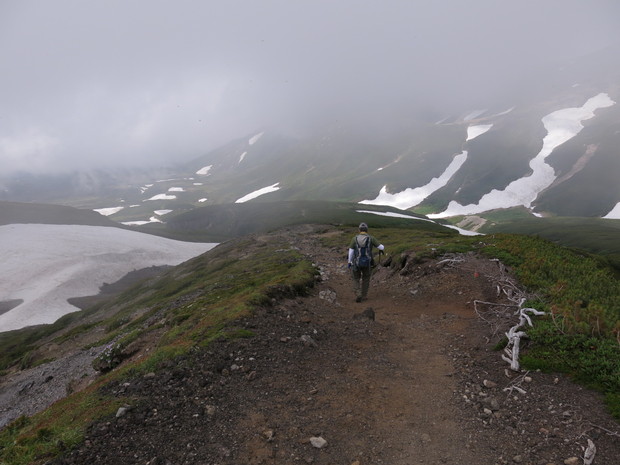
<point x="407" y="377"/>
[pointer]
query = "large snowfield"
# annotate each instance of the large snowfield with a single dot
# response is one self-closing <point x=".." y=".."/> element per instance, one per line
<point x="44" y="265"/>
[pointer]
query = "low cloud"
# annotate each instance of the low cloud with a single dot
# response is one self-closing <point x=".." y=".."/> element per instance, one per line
<point x="147" y="82"/>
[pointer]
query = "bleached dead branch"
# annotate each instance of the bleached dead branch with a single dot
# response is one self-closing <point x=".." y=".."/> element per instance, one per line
<point x="509" y="288"/>
<point x="516" y="384"/>
<point x="514" y="336"/>
<point x="590" y="452"/>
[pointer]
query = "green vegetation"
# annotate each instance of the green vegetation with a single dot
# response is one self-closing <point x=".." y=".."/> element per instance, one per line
<point x="596" y="235"/>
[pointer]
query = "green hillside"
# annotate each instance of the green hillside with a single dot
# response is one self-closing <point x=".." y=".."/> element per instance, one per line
<point x="222" y="222"/>
<point x="595" y="235"/>
<point x="18" y="212"/>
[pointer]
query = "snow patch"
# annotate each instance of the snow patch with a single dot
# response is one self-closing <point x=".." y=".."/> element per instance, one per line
<point x="614" y="214"/>
<point x="242" y="156"/>
<point x="108" y="211"/>
<point x="411" y="197"/>
<point x="44" y="265"/>
<point x="475" y="131"/>
<point x="473" y="115"/>
<point x="205" y="170"/>
<point x="462" y="231"/>
<point x="255" y="138"/>
<point x="258" y="193"/>
<point x="561" y="125"/>
<point x="176" y="189"/>
<point x="162" y="197"/>
<point x="202" y="200"/>
<point x="162" y="212"/>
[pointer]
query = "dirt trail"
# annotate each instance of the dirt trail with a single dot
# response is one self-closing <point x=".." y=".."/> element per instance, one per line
<point x="405" y="388"/>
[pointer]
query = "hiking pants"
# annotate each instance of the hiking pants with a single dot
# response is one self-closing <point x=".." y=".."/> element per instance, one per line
<point x="363" y="275"/>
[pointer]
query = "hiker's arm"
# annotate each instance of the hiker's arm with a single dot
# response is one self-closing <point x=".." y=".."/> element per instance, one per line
<point x="376" y="243"/>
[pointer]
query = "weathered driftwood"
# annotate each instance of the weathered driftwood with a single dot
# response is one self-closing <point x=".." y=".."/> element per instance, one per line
<point x="514" y="336"/>
<point x="590" y="452"/>
<point x="509" y="288"/>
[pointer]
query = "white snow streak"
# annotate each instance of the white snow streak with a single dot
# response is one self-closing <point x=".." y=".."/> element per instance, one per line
<point x="176" y="189"/>
<point x="561" y="126"/>
<point x="258" y="193"/>
<point x="204" y="171"/>
<point x="614" y="214"/>
<point x="108" y="211"/>
<point x="44" y="265"/>
<point x="242" y="156"/>
<point x="255" y="138"/>
<point x="162" y="212"/>
<point x="464" y="232"/>
<point x="411" y="197"/>
<point x="473" y="115"/>
<point x="475" y="131"/>
<point x="162" y="197"/>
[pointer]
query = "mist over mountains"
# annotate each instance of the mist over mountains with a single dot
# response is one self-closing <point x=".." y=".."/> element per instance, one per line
<point x="443" y="164"/>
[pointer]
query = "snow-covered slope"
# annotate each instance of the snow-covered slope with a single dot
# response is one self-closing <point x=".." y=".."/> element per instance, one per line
<point x="44" y="265"/>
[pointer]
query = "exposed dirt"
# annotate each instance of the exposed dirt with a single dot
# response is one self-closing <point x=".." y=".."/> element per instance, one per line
<point x="407" y="387"/>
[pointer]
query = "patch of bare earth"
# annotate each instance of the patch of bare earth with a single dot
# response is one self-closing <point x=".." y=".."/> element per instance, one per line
<point x="322" y="382"/>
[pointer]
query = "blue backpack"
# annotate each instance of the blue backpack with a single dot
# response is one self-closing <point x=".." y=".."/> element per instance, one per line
<point x="363" y="257"/>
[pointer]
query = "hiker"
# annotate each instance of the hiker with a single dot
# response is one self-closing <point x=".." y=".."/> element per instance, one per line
<point x="361" y="262"/>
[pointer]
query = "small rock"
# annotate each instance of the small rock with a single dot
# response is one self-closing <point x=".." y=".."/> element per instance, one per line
<point x="571" y="461"/>
<point x="308" y="341"/>
<point x="489" y="384"/>
<point x="150" y="375"/>
<point x="369" y="313"/>
<point x="425" y="437"/>
<point x="318" y="442"/>
<point x="527" y="379"/>
<point x="121" y="411"/>
<point x="285" y="339"/>
<point x="251" y="376"/>
<point x="269" y="435"/>
<point x="517" y="459"/>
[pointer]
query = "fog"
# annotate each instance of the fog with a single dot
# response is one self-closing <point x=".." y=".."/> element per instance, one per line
<point x="106" y="83"/>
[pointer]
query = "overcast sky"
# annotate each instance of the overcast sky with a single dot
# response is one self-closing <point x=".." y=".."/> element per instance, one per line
<point x="101" y="82"/>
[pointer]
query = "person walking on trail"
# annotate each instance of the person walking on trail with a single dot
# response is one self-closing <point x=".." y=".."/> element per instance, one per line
<point x="361" y="262"/>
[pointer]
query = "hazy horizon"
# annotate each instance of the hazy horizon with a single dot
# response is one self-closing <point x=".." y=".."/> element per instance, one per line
<point x="92" y="84"/>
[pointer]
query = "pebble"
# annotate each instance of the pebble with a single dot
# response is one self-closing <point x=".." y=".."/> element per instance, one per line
<point x="571" y="461"/>
<point x="318" y="442"/>
<point x="308" y="341"/>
